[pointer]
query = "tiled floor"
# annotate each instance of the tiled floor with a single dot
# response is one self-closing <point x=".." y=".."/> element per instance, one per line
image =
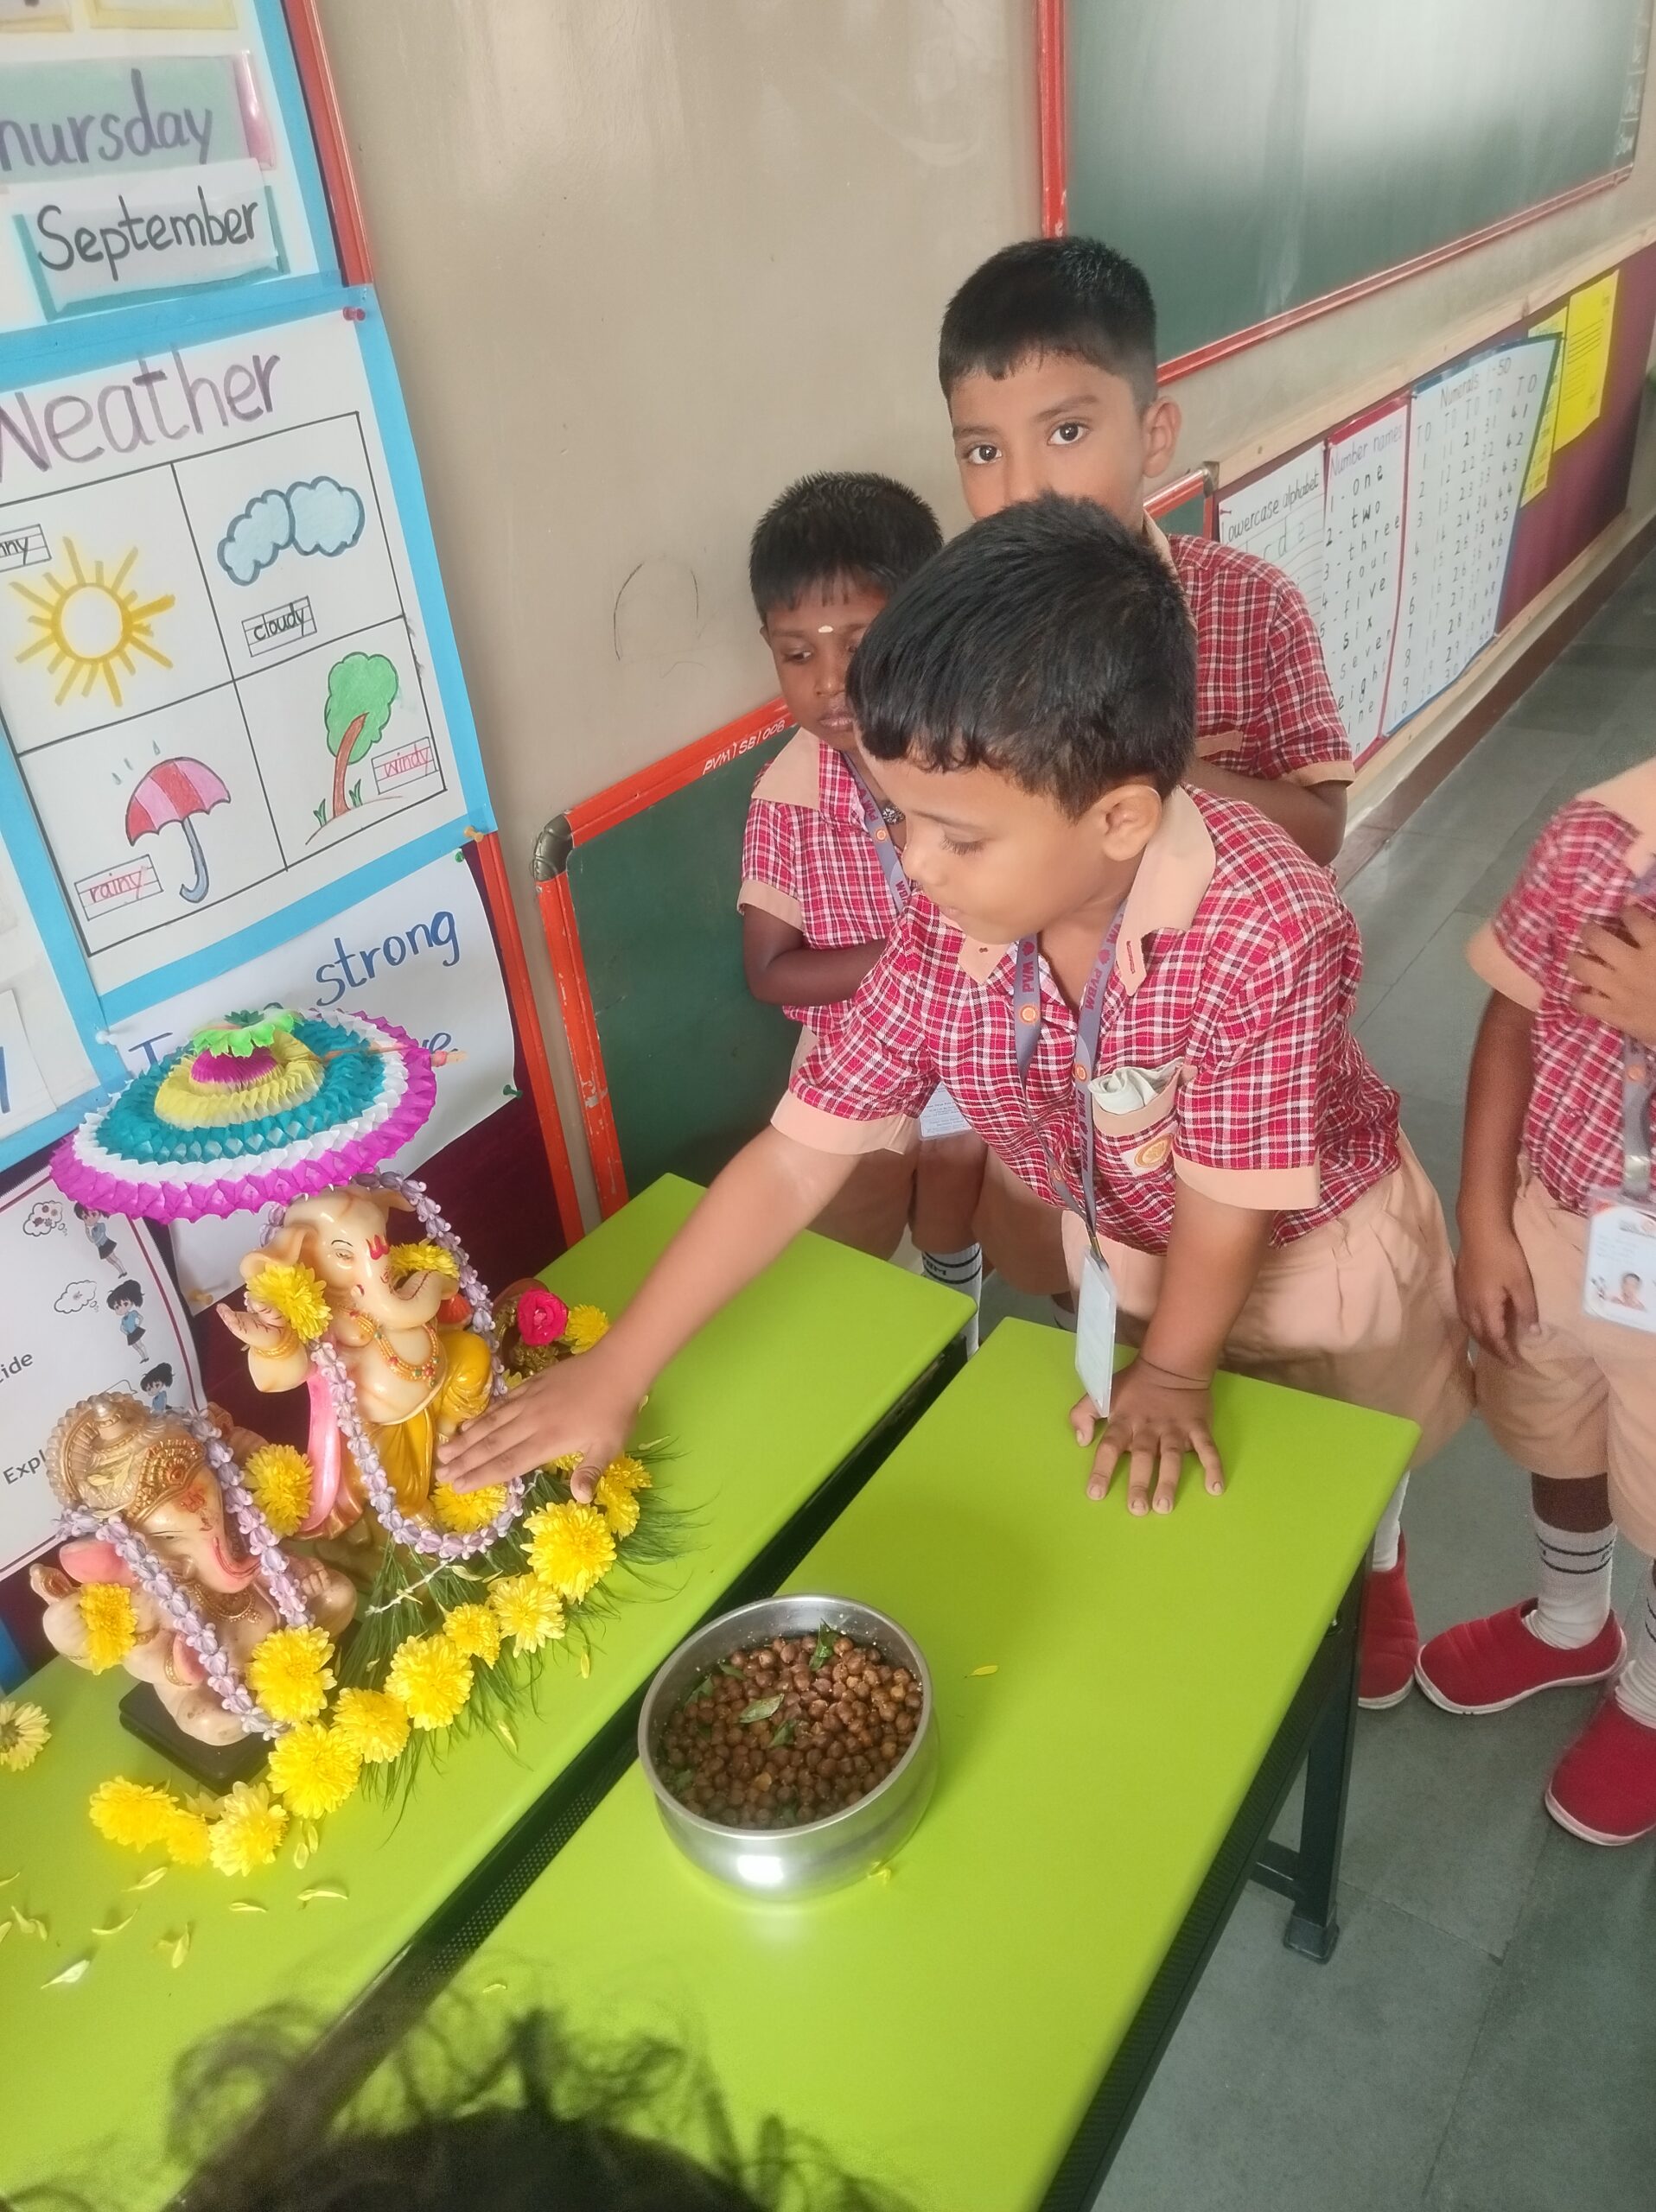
<point x="1484" y="2040"/>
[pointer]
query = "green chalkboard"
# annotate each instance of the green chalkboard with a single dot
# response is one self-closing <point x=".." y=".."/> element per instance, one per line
<point x="694" y="1064"/>
<point x="1255" y="155"/>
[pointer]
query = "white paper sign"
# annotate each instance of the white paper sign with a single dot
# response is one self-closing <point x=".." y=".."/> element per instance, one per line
<point x="88" y="1306"/>
<point x="213" y="669"/>
<point x="24" y="1098"/>
<point x="105" y="242"/>
<point x="1280" y="517"/>
<point x="1470" y="437"/>
<point x="1363" y="557"/>
<point x="50" y="1039"/>
<point x="418" y="954"/>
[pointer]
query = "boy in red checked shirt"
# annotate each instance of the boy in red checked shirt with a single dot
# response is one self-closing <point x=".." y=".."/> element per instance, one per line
<point x="1027" y="700"/>
<point x="1558" y="1282"/>
<point x="822" y="879"/>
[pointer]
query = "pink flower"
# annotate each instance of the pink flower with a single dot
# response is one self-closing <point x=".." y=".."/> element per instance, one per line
<point x="542" y="1316"/>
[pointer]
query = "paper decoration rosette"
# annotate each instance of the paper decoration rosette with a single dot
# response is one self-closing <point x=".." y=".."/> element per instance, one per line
<point x="265" y="1107"/>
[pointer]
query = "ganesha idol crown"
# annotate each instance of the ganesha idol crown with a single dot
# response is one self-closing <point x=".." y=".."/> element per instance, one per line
<point x="263" y="1108"/>
<point x="111" y="1455"/>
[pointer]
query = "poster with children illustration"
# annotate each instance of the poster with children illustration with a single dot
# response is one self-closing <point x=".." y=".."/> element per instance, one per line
<point x="216" y="675"/>
<point x="88" y="1306"/>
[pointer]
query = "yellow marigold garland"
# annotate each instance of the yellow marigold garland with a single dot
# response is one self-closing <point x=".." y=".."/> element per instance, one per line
<point x="422" y="1259"/>
<point x="111" y="1621"/>
<point x="289" y="1672"/>
<point x="278" y="1476"/>
<point x="134" y="1814"/>
<point x="24" y="1733"/>
<point x="185" y="1838"/>
<point x="432" y="1679"/>
<point x="457" y="1513"/>
<point x="529" y="1613"/>
<point x="475" y="1630"/>
<point x="616" y="1493"/>
<point x="375" y="1722"/>
<point x="585" y="1325"/>
<point x="570" y="1548"/>
<point x="248" y="1832"/>
<point x="314" y="1769"/>
<point x="295" y="1292"/>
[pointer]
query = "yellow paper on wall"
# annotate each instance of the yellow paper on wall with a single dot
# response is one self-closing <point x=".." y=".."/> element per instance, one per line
<point x="1546" y="429"/>
<point x="1587" y="357"/>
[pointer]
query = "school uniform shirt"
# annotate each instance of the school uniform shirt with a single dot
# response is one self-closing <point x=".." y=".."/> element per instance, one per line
<point x="807" y="857"/>
<point x="1265" y="706"/>
<point x="1581" y="869"/>
<point x="1226" y="1059"/>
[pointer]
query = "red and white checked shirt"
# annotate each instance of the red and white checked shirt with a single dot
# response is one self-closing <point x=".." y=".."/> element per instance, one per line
<point x="807" y="857"/>
<point x="1260" y="677"/>
<point x="1235" y="967"/>
<point x="1581" y="869"/>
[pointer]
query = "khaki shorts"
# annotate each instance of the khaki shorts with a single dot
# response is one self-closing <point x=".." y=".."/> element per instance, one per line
<point x="1362" y="1309"/>
<point x="1583" y="1400"/>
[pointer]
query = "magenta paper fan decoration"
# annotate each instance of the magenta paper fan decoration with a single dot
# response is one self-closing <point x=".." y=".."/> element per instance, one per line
<point x="268" y="1107"/>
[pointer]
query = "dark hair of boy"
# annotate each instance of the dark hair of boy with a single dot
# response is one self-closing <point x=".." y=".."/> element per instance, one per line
<point x="159" y="1377"/>
<point x="1052" y="295"/>
<point x="125" y="1293"/>
<point x="839" y="528"/>
<point x="1048" y="642"/>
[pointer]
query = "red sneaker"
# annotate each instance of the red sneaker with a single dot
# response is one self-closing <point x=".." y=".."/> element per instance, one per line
<point x="1603" y="1789"/>
<point x="1485" y="1666"/>
<point x="1391" y="1639"/>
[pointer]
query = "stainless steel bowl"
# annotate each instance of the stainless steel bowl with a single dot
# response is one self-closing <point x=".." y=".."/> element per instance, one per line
<point x="823" y="1854"/>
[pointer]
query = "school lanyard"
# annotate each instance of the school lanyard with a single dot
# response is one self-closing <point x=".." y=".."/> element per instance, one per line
<point x="879" y="829"/>
<point x="1638" y="1082"/>
<point x="1026" y="1034"/>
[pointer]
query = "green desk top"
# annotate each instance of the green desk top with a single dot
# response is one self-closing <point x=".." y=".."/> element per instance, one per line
<point x="759" y="1409"/>
<point x="943" y="2030"/>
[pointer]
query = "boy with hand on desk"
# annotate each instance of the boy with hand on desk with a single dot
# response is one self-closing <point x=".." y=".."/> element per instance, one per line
<point x="822" y="881"/>
<point x="1139" y="997"/>
<point x="1556" y="1217"/>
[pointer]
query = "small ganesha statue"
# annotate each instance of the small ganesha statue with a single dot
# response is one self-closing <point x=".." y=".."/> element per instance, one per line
<point x="147" y="1503"/>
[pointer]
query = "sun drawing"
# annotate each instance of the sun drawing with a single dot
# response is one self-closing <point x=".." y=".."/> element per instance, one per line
<point x="91" y="625"/>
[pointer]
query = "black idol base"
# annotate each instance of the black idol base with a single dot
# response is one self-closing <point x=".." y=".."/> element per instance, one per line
<point x="219" y="1766"/>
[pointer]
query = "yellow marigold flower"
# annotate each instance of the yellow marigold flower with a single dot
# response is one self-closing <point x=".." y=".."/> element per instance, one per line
<point x="314" y="1770"/>
<point x="460" y="1512"/>
<point x="616" y="1494"/>
<point x="474" y="1630"/>
<point x="424" y="1259"/>
<point x="133" y="1814"/>
<point x="570" y="1548"/>
<point x="185" y="1838"/>
<point x="585" y="1325"/>
<point x="248" y="1832"/>
<point x="530" y="1613"/>
<point x="374" y="1721"/>
<point x="432" y="1679"/>
<point x="110" y="1621"/>
<point x="278" y="1476"/>
<point x="295" y="1292"/>
<point x="24" y="1730"/>
<point x="289" y="1672"/>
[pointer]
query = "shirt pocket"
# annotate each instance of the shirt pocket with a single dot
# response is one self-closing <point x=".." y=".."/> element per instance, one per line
<point x="1132" y="1117"/>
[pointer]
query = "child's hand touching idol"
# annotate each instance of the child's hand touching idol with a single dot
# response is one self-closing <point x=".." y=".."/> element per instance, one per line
<point x="578" y="1405"/>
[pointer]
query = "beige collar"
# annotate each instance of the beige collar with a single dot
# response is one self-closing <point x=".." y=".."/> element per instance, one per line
<point x="1173" y="873"/>
<point x="1632" y="796"/>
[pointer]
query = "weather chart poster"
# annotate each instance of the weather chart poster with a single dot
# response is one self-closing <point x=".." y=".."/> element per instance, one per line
<point x="212" y="671"/>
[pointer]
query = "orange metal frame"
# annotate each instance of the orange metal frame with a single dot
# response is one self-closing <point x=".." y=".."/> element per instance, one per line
<point x="344" y="208"/>
<point x="1053" y="94"/>
<point x="1173" y="496"/>
<point x="558" y="840"/>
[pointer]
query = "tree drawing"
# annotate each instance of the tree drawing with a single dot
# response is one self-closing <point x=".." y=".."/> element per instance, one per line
<point x="361" y="691"/>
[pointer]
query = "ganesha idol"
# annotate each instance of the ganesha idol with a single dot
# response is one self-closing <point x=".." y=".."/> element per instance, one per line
<point x="144" y="1489"/>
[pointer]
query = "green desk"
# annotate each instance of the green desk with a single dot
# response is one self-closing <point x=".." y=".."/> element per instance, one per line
<point x="776" y="1412"/>
<point x="976" y="2030"/>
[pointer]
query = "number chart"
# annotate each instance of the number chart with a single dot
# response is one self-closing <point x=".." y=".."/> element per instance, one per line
<point x="1366" y="478"/>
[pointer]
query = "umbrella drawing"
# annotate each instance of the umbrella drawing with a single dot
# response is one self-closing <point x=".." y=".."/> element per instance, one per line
<point x="175" y="790"/>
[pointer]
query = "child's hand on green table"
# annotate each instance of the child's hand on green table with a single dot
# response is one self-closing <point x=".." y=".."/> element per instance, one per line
<point x="1155" y="1417"/>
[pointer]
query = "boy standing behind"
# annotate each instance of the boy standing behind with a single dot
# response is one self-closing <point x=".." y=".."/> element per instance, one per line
<point x="822" y="882"/>
<point x="1555" y="1213"/>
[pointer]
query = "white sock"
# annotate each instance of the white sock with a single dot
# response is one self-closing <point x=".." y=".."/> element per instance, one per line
<point x="962" y="1270"/>
<point x="1064" y="1314"/>
<point x="1635" y="1689"/>
<point x="1573" y="1599"/>
<point x="1384" y="1557"/>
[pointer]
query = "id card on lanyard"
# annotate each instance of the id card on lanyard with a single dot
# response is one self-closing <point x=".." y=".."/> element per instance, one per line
<point x="877" y="822"/>
<point x="1620" y="1283"/>
<point x="1095" y="1317"/>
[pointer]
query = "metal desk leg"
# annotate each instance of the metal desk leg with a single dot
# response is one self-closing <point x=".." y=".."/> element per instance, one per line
<point x="1314" y="1927"/>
